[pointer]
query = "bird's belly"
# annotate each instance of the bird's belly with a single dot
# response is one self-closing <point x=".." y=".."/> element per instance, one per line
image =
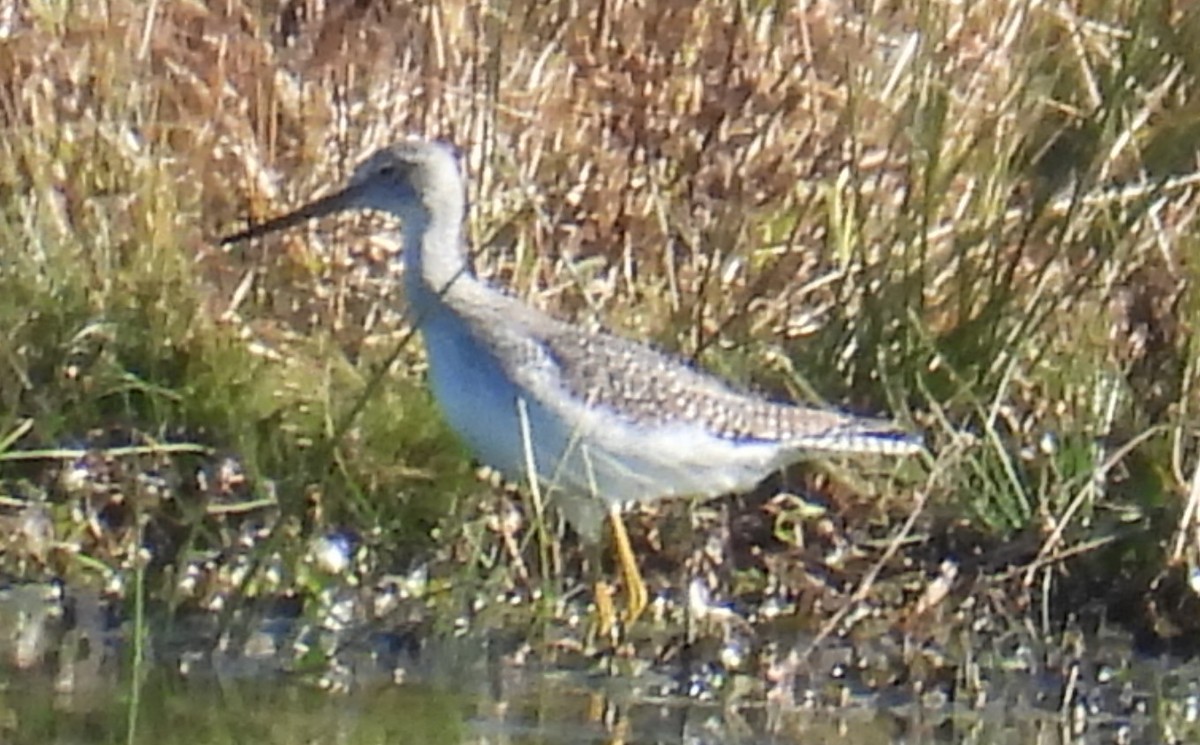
<point x="633" y="465"/>
<point x="510" y="431"/>
<point x="596" y="455"/>
<point x="478" y="401"/>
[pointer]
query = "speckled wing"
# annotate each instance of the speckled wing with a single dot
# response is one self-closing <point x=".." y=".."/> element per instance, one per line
<point x="648" y="388"/>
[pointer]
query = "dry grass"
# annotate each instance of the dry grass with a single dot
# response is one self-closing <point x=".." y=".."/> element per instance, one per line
<point x="978" y="216"/>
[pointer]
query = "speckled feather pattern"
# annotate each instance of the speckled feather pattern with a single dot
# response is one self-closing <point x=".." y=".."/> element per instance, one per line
<point x="643" y="386"/>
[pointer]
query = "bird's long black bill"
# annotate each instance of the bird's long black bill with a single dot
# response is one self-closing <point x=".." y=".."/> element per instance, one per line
<point x="335" y="202"/>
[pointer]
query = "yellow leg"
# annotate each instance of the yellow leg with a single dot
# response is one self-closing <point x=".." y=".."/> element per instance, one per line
<point x="606" y="617"/>
<point x="635" y="587"/>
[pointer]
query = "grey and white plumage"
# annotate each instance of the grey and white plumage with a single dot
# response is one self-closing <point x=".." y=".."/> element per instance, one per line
<point x="609" y="418"/>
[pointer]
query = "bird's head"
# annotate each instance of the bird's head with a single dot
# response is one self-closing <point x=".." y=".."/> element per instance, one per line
<point x="410" y="179"/>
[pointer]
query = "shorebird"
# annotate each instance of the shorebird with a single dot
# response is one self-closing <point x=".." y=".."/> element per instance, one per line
<point x="604" y="420"/>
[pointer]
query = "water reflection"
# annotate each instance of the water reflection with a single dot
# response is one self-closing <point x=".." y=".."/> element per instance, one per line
<point x="68" y="680"/>
<point x="546" y="708"/>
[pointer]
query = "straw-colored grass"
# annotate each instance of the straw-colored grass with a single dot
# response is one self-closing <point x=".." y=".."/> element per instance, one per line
<point x="977" y="217"/>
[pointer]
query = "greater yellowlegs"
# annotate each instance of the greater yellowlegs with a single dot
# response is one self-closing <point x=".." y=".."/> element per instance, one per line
<point x="604" y="420"/>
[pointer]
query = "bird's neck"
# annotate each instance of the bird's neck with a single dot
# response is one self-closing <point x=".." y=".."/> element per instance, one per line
<point x="434" y="261"/>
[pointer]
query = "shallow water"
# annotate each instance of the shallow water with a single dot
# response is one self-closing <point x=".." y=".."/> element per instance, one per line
<point x="71" y="680"/>
<point x="551" y="710"/>
<point x="528" y="707"/>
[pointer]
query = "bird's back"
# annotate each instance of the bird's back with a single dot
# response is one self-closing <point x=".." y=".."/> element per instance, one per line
<point x="618" y="419"/>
